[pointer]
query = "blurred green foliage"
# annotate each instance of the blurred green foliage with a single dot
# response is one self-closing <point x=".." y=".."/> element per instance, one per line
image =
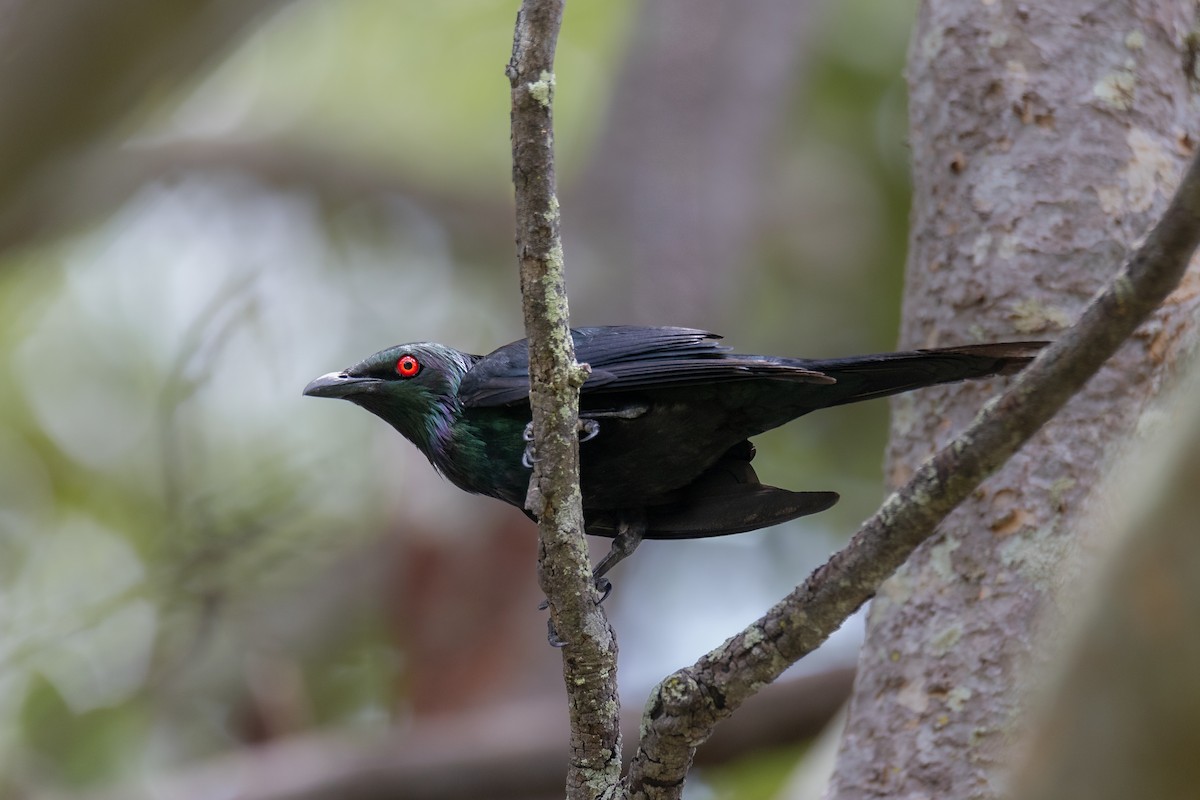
<point x="757" y="777"/>
<point x="420" y="86"/>
<point x="166" y="499"/>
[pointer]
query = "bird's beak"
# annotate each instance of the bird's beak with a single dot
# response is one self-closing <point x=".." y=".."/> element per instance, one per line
<point x="338" y="384"/>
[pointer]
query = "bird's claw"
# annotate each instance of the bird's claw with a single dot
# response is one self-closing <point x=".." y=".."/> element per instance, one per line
<point x="527" y="457"/>
<point x="588" y="429"/>
<point x="552" y="637"/>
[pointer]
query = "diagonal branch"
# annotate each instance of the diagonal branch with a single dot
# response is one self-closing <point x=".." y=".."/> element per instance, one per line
<point x="590" y="655"/>
<point x="683" y="709"/>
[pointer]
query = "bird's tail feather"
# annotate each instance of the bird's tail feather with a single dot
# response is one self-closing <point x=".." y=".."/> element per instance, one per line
<point x="884" y="374"/>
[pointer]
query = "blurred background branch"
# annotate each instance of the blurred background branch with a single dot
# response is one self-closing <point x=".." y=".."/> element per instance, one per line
<point x="680" y="192"/>
<point x="76" y="71"/>
<point x="337" y="178"/>
<point x="508" y="751"/>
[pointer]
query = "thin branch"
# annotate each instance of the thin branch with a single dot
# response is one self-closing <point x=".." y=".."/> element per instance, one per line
<point x="683" y="709"/>
<point x="590" y="655"/>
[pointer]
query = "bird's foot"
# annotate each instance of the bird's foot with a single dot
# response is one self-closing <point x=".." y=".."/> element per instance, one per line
<point x="552" y="637"/>
<point x="587" y="429"/>
<point x="528" y="457"/>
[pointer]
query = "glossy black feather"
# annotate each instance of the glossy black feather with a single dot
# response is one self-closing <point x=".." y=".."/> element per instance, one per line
<point x="628" y="358"/>
<point x="674" y="409"/>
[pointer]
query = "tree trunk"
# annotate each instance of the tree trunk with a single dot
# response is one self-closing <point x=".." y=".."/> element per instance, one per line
<point x="1046" y="138"/>
<point x="671" y="196"/>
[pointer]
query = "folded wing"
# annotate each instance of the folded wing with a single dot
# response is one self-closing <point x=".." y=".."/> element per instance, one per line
<point x="628" y="358"/>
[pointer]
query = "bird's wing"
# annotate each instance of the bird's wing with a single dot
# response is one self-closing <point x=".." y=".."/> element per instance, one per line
<point x="726" y="498"/>
<point x="626" y="358"/>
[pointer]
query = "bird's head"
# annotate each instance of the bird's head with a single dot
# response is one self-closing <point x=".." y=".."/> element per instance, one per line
<point x="414" y="387"/>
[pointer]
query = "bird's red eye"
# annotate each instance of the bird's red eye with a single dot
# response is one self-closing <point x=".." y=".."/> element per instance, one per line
<point x="407" y="366"/>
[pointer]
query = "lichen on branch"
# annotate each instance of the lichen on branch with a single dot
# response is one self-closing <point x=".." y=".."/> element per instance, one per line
<point x="589" y="656"/>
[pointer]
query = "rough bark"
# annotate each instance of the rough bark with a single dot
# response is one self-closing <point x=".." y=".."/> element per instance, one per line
<point x="1045" y="139"/>
<point x="564" y="571"/>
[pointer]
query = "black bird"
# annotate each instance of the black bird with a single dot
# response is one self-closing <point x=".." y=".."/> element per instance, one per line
<point x="666" y="417"/>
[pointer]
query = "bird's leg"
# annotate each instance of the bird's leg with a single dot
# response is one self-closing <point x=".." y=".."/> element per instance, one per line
<point x="630" y="531"/>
